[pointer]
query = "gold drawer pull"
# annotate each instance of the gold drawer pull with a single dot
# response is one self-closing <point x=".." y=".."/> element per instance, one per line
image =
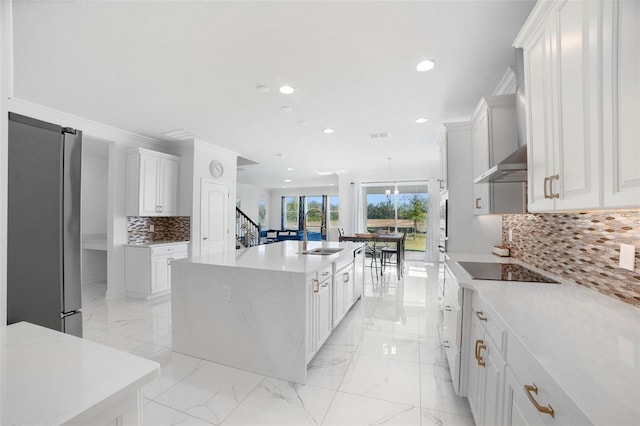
<point x="534" y="389"/>
<point x="481" y="316"/>
<point x="479" y="347"/>
<point x="316" y="286"/>
<point x="551" y="194"/>
<point x="544" y="185"/>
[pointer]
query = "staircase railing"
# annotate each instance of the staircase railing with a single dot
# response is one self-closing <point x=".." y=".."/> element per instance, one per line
<point x="247" y="231"/>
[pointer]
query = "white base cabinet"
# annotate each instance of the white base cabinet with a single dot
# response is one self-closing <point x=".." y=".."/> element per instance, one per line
<point x="148" y="269"/>
<point x="451" y="332"/>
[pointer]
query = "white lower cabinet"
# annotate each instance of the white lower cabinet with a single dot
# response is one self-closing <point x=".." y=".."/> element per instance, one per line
<point x="451" y="332"/>
<point x="322" y="304"/>
<point x="486" y="369"/>
<point x="343" y="291"/>
<point x="148" y="269"/>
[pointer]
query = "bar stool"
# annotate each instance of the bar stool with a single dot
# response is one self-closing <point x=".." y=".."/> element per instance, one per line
<point x="386" y="253"/>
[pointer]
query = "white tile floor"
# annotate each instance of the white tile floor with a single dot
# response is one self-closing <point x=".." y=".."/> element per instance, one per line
<point x="382" y="365"/>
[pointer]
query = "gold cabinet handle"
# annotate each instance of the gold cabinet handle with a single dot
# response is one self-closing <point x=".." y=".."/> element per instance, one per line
<point x="478" y="203"/>
<point x="551" y="194"/>
<point x="531" y="389"/>
<point x="546" y="194"/>
<point x="446" y="344"/>
<point x="481" y="316"/>
<point x="316" y="285"/>
<point x="345" y="277"/>
<point x="479" y="347"/>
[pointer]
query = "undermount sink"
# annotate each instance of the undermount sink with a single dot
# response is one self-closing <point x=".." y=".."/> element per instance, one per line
<point x="322" y="251"/>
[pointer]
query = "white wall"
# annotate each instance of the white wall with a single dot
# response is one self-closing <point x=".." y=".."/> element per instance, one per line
<point x="95" y="184"/>
<point x="194" y="168"/>
<point x="250" y="196"/>
<point x="468" y="233"/>
<point x="6" y="91"/>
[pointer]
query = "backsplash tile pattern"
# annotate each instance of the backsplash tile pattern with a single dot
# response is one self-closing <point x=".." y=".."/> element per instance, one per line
<point x="581" y="247"/>
<point x="176" y="228"/>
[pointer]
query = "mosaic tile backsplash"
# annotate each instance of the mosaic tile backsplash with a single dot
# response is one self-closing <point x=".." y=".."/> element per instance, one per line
<point x="581" y="247"/>
<point x="176" y="228"/>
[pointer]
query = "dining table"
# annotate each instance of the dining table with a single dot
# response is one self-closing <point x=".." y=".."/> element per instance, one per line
<point x="397" y="238"/>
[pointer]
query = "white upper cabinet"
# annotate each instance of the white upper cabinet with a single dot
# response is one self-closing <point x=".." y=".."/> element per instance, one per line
<point x="621" y="100"/>
<point x="152" y="183"/>
<point x="442" y="141"/>
<point x="582" y="87"/>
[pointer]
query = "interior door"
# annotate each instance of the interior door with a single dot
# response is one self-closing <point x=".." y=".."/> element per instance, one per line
<point x="214" y="223"/>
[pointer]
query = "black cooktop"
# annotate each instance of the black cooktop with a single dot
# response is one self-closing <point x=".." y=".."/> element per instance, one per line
<point x="503" y="272"/>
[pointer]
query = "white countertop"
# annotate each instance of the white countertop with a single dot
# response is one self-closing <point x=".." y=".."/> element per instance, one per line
<point x="282" y="256"/>
<point x="588" y="342"/>
<point x="157" y="243"/>
<point x="49" y="377"/>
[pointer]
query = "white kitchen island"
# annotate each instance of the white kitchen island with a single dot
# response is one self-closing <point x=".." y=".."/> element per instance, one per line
<point x="52" y="378"/>
<point x="265" y="309"/>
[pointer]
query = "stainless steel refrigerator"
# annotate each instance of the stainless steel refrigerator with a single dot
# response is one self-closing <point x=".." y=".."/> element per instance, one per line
<point x="44" y="245"/>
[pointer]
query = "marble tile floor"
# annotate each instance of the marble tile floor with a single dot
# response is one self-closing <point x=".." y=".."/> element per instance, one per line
<point x="383" y="365"/>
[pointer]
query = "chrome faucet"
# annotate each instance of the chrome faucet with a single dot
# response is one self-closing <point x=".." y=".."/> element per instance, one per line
<point x="304" y="226"/>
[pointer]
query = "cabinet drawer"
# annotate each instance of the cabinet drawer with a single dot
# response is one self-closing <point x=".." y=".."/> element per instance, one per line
<point x="451" y="288"/>
<point x="490" y="322"/>
<point x="324" y="273"/>
<point x="170" y="249"/>
<point x="527" y="372"/>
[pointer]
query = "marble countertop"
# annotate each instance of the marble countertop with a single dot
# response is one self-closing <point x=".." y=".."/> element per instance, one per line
<point x="157" y="243"/>
<point x="50" y="377"/>
<point x="282" y="256"/>
<point x="588" y="342"/>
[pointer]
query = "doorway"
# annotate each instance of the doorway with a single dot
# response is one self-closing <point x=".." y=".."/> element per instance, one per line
<point x="94" y="217"/>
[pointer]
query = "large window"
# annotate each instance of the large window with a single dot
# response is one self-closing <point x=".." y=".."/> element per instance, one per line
<point x="315" y="209"/>
<point x="291" y="211"/>
<point x="262" y="213"/>
<point x="334" y="214"/>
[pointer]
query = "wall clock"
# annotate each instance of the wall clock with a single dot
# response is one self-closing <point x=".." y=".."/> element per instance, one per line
<point x="216" y="168"/>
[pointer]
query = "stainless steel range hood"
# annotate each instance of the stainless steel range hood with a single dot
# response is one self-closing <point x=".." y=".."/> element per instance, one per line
<point x="511" y="169"/>
<point x="514" y="167"/>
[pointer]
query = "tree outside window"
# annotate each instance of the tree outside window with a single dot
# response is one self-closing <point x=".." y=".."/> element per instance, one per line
<point x="314" y="219"/>
<point x="334" y="207"/>
<point x="292" y="207"/>
<point x="262" y="213"/>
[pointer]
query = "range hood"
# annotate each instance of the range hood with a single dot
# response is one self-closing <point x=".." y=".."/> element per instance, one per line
<point x="513" y="168"/>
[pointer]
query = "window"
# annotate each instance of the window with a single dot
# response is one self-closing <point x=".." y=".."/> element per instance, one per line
<point x="291" y="208"/>
<point x="315" y="217"/>
<point x="334" y="215"/>
<point x="262" y="213"/>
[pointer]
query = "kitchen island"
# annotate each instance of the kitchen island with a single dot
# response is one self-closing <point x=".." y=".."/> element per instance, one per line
<point x="265" y="309"/>
<point x="52" y="378"/>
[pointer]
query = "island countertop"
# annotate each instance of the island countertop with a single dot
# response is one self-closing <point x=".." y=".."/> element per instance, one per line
<point x="283" y="256"/>
<point x="52" y="378"/>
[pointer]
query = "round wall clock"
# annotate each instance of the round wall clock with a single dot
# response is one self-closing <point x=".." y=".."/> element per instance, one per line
<point x="216" y="168"/>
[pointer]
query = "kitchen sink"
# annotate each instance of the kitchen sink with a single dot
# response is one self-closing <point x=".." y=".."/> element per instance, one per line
<point x="322" y="251"/>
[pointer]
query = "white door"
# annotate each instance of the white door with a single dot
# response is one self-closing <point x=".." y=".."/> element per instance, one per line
<point x="214" y="223"/>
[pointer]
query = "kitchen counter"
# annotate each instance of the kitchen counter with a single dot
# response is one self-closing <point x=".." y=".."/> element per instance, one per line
<point x="156" y="243"/>
<point x="282" y="256"/>
<point x="587" y="342"/>
<point x="52" y="378"/>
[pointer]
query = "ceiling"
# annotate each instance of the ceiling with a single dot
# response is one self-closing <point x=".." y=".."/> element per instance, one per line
<point x="151" y="67"/>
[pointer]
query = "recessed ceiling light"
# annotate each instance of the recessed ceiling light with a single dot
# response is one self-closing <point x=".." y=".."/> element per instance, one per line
<point x="425" y="65"/>
<point x="286" y="108"/>
<point x="303" y="122"/>
<point x="287" y="180"/>
<point x="286" y="90"/>
<point x="422" y="120"/>
<point x="263" y="89"/>
<point x="327" y="130"/>
<point x="290" y="168"/>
